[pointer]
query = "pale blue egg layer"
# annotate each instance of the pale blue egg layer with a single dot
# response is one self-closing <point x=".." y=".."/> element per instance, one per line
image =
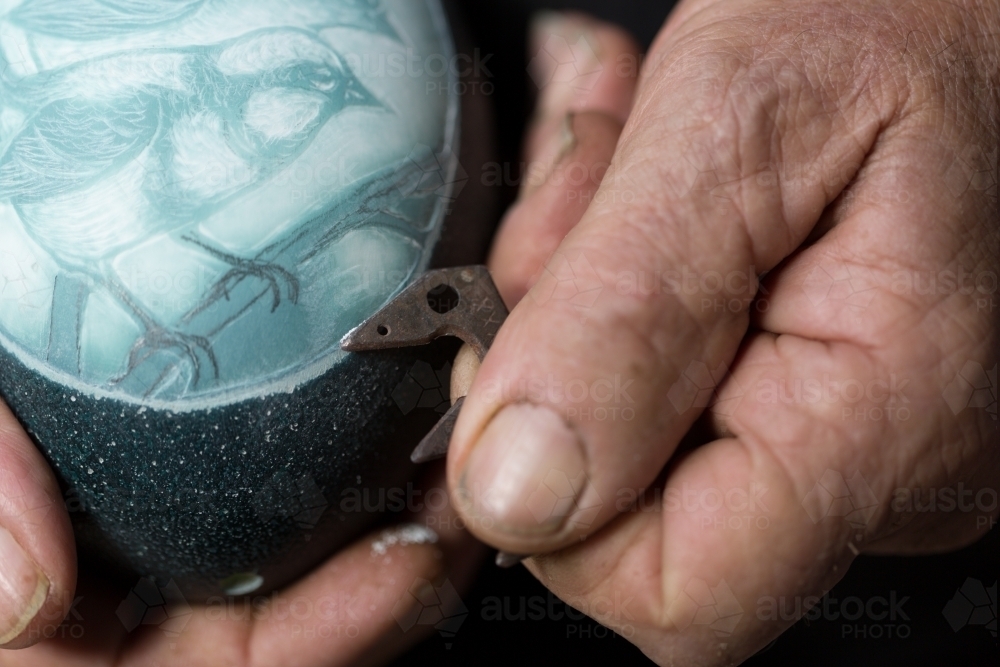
<point x="198" y="198"/>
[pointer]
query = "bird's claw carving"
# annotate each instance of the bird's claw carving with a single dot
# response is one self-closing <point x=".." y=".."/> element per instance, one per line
<point x="157" y="339"/>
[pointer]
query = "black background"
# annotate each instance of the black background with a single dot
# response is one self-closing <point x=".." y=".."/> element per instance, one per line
<point x="499" y="27"/>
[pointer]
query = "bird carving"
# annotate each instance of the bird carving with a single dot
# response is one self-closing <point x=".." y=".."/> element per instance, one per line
<point x="117" y="149"/>
<point x="84" y="20"/>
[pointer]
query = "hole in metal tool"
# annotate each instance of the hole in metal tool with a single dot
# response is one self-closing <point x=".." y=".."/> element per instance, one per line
<point x="382" y="330"/>
<point x="443" y="299"/>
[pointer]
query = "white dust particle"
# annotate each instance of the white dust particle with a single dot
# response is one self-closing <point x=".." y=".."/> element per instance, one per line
<point x="404" y="535"/>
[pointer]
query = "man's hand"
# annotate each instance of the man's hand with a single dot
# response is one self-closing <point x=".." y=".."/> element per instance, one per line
<point x="848" y="152"/>
<point x="350" y="610"/>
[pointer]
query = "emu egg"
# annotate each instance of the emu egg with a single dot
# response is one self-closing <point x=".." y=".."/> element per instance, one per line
<point x="198" y="199"/>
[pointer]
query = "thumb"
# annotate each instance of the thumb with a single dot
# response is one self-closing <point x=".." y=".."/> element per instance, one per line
<point x="37" y="553"/>
<point x="570" y="143"/>
<point x="577" y="398"/>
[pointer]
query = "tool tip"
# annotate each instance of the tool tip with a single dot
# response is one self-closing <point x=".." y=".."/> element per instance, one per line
<point x="508" y="560"/>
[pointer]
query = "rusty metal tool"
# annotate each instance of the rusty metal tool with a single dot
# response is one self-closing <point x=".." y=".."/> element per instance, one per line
<point x="462" y="302"/>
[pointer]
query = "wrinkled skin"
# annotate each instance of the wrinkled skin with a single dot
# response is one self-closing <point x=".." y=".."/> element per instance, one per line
<point x="835" y="146"/>
<point x="849" y="150"/>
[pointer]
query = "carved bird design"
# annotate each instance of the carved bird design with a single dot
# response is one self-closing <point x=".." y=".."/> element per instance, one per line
<point x="84" y="20"/>
<point x="118" y="151"/>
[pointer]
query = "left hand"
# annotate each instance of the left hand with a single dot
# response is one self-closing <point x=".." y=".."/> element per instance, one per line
<point x="351" y="610"/>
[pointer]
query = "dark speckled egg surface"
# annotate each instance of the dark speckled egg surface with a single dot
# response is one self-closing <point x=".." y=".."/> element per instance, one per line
<point x="186" y="232"/>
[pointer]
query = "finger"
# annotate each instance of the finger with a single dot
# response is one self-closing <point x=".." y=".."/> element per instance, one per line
<point x="571" y="141"/>
<point x="361" y="607"/>
<point x="697" y="573"/>
<point x="579" y="64"/>
<point x="866" y="411"/>
<point x="539" y="446"/>
<point x="536" y="225"/>
<point x="339" y="614"/>
<point x="37" y="552"/>
<point x="368" y="600"/>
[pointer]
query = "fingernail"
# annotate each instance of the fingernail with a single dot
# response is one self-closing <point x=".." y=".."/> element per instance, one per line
<point x="566" y="59"/>
<point x="23" y="588"/>
<point x="545" y="23"/>
<point x="526" y="473"/>
<point x="558" y="147"/>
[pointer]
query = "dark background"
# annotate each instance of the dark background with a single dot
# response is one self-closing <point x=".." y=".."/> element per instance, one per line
<point x="499" y="27"/>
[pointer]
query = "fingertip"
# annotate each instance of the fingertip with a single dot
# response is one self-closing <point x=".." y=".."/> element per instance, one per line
<point x="580" y="63"/>
<point x="367" y="601"/>
<point x="37" y="550"/>
<point x="552" y="204"/>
